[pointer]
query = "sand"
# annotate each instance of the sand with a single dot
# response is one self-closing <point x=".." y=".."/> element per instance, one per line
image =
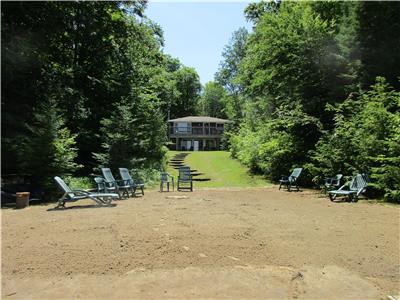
<point x="254" y="243"/>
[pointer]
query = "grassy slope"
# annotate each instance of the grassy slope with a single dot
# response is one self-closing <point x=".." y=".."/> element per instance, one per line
<point x="220" y="168"/>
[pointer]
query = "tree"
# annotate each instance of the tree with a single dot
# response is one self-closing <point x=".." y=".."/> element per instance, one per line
<point x="379" y="34"/>
<point x="365" y="139"/>
<point x="212" y="100"/>
<point x="254" y="11"/>
<point x="189" y="87"/>
<point x="74" y="71"/>
<point x="226" y="76"/>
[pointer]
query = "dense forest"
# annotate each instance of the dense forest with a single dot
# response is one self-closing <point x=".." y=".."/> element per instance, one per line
<point x="86" y="84"/>
<point x="315" y="84"/>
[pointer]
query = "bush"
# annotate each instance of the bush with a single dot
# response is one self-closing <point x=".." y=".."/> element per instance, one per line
<point x="366" y="138"/>
<point x="81" y="183"/>
<point x="273" y="147"/>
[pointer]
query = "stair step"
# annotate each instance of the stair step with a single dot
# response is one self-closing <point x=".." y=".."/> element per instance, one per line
<point x="201" y="179"/>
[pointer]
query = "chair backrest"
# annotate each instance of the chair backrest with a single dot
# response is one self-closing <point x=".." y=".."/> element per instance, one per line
<point x="336" y="180"/>
<point x="100" y="183"/>
<point x="125" y="174"/>
<point x="164" y="176"/>
<point x="61" y="183"/>
<point x="296" y="173"/>
<point x="359" y="183"/>
<point x="184" y="173"/>
<point x="108" y="176"/>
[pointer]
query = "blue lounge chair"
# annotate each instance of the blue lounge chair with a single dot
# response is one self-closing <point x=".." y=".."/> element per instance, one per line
<point x="134" y="184"/>
<point x="356" y="187"/>
<point x="103" y="199"/>
<point x="291" y="181"/>
<point x="112" y="185"/>
<point x="101" y="184"/>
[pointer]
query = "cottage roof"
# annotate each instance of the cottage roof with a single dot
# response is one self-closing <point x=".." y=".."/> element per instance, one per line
<point x="200" y="119"/>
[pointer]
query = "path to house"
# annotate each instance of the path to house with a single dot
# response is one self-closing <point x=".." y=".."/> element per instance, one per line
<point x="214" y="169"/>
<point x="253" y="243"/>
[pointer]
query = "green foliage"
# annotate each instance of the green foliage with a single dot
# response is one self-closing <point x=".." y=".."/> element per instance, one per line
<point x="50" y="151"/>
<point x="226" y="76"/>
<point x="150" y="176"/>
<point x="379" y="36"/>
<point x="133" y="136"/>
<point x="212" y="100"/>
<point x="365" y="139"/>
<point x="189" y="87"/>
<point x="254" y="11"/>
<point x="292" y="57"/>
<point x="79" y="183"/>
<point x="92" y="82"/>
<point x="288" y="74"/>
<point x="272" y="147"/>
<point x="300" y="64"/>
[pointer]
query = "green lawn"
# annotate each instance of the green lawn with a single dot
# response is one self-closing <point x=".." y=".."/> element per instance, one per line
<point x="220" y="168"/>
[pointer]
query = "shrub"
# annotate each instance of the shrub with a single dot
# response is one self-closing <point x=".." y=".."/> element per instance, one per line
<point x="365" y="139"/>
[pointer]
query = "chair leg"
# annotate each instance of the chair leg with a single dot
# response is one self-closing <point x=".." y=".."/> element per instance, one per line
<point x="280" y="185"/>
<point x="142" y="187"/>
<point x="131" y="190"/>
<point x="332" y="196"/>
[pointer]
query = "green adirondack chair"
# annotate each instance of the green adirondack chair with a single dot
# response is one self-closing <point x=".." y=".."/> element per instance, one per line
<point x="133" y="183"/>
<point x="102" y="199"/>
<point x="113" y="185"/>
<point x="101" y="184"/>
<point x="166" y="178"/>
<point x="185" y="179"/>
<point x="352" y="191"/>
<point x="291" y="181"/>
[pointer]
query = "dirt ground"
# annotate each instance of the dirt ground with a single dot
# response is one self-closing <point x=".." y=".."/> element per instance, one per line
<point x="256" y="243"/>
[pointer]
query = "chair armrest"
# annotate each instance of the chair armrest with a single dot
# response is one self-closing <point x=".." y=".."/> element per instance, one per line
<point x="334" y="181"/>
<point x="359" y="192"/>
<point x="82" y="192"/>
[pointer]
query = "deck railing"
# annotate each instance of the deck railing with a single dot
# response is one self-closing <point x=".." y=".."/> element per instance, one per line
<point x="195" y="130"/>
